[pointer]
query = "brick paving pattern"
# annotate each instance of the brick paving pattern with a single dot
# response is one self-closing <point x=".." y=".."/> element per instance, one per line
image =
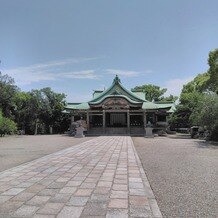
<point x="102" y="177"/>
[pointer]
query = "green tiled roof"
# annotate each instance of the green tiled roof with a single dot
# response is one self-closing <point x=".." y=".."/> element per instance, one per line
<point x="140" y="95"/>
<point x="153" y="105"/>
<point x="81" y="106"/>
<point x="164" y="104"/>
<point x="108" y="96"/>
<point x="117" y="90"/>
<point x="149" y="105"/>
<point x="96" y="93"/>
<point x="172" y="109"/>
<point x="65" y="112"/>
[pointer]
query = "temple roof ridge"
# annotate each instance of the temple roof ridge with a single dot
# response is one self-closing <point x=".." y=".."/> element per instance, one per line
<point x="117" y="88"/>
<point x="117" y="79"/>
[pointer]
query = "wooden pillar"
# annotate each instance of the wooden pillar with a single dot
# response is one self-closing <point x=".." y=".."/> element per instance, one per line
<point x="87" y="120"/>
<point x="154" y="118"/>
<point x="128" y="122"/>
<point x="145" y="121"/>
<point x="104" y="121"/>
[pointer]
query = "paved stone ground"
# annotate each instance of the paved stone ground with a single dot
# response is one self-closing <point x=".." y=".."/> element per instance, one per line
<point x="102" y="177"/>
<point x="183" y="174"/>
<point x="15" y="150"/>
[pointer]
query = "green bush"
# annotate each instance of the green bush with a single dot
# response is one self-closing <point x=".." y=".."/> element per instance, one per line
<point x="214" y="133"/>
<point x="7" y="126"/>
<point x="206" y="114"/>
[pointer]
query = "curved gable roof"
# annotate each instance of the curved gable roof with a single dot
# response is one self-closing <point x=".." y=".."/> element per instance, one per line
<point x="117" y="89"/>
<point x="115" y="96"/>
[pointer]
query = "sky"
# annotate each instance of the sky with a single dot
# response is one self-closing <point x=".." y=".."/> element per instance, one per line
<point x="76" y="47"/>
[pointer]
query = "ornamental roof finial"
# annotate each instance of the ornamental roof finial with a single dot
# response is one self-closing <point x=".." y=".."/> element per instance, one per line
<point x="117" y="79"/>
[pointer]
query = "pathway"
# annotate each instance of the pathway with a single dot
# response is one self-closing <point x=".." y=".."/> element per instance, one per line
<point x="102" y="177"/>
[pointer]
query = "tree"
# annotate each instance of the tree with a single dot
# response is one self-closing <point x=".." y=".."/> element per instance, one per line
<point x="191" y="99"/>
<point x="23" y="112"/>
<point x="171" y="98"/>
<point x="199" y="100"/>
<point x="206" y="114"/>
<point x="7" y="126"/>
<point x="152" y="92"/>
<point x="213" y="71"/>
<point x="191" y="95"/>
<point x="198" y="84"/>
<point x="31" y="110"/>
<point x="53" y="105"/>
<point x="8" y="90"/>
<point x="47" y="108"/>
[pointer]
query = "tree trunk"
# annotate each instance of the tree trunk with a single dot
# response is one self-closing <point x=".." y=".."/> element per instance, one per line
<point x="36" y="128"/>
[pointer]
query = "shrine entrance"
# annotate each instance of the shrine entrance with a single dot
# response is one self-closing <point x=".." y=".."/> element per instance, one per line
<point x="117" y="111"/>
<point x="116" y="123"/>
<point x="116" y="119"/>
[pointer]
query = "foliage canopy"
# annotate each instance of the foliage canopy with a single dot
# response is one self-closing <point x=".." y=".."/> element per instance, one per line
<point x="30" y="111"/>
<point x="199" y="100"/>
<point x="154" y="93"/>
<point x="7" y="126"/>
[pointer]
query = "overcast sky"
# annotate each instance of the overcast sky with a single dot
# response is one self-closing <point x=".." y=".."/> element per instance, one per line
<point x="77" y="46"/>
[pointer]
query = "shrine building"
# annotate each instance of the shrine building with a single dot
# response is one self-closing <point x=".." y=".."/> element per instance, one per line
<point x="118" y="111"/>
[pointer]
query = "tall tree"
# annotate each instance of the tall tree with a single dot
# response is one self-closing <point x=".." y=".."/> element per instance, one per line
<point x="198" y="84"/>
<point x="48" y="107"/>
<point x="152" y="92"/>
<point x="7" y="126"/>
<point x="8" y="90"/>
<point x="171" y="98"/>
<point x="199" y="101"/>
<point x="23" y="110"/>
<point x="31" y="110"/>
<point x="190" y="97"/>
<point x="213" y="70"/>
<point x="53" y="105"/>
<point x="206" y="114"/>
<point x="180" y="117"/>
<point x="188" y="101"/>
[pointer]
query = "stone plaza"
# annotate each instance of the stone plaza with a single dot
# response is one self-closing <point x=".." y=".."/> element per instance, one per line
<point x="102" y="177"/>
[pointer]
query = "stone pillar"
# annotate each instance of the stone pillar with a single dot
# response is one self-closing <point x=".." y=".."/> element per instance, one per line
<point x="148" y="132"/>
<point x="79" y="132"/>
<point x="50" y="130"/>
<point x="103" y="121"/>
<point x="128" y="122"/>
<point x="71" y="122"/>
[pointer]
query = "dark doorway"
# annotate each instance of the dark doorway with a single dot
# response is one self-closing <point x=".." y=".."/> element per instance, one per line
<point x="116" y="119"/>
<point x="136" y="120"/>
<point x="96" y="121"/>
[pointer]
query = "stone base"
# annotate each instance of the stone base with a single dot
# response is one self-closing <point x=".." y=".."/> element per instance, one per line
<point x="79" y="132"/>
<point x="149" y="136"/>
<point x="79" y="136"/>
<point x="148" y="132"/>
